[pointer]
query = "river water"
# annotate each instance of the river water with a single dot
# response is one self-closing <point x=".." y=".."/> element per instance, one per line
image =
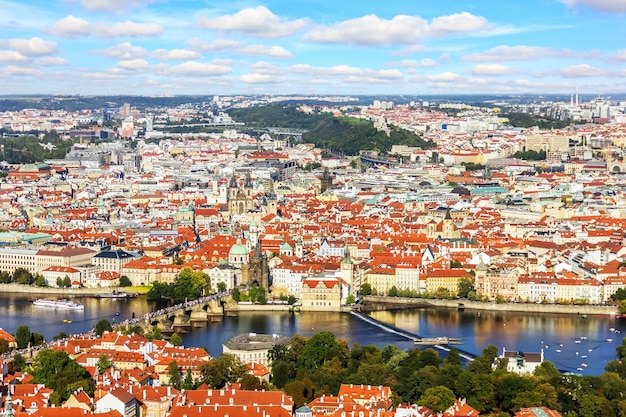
<point x="571" y="342"/>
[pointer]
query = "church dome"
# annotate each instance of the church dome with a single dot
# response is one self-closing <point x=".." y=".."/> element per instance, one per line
<point x="238" y="249"/>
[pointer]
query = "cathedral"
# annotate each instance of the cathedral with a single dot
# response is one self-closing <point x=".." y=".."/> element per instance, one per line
<point x="240" y="199"/>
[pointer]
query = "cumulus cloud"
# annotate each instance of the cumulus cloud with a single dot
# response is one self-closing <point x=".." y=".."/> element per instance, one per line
<point x="114" y="6"/>
<point x="371" y="30"/>
<point x="196" y="69"/>
<point x="19" y="71"/>
<point x="493" y="69"/>
<point x="70" y="27"/>
<point x="259" y="21"/>
<point x="525" y="53"/>
<point x="413" y="63"/>
<point x="124" y="51"/>
<point x="12" y="56"/>
<point x="52" y="61"/>
<point x="128" y="28"/>
<point x="618" y="57"/>
<point x="400" y="30"/>
<point x="582" y="70"/>
<point x="258" y="78"/>
<point x="175" y="54"/>
<point x="459" y="22"/>
<point x="217" y="45"/>
<point x="261" y="50"/>
<point x="445" y="77"/>
<point x="133" y="65"/>
<point x="610" y="6"/>
<point x="30" y="47"/>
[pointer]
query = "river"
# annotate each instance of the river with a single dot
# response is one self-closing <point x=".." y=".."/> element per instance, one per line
<point x="569" y="341"/>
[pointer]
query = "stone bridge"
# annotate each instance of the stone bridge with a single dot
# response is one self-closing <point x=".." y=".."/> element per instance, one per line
<point x="182" y="317"/>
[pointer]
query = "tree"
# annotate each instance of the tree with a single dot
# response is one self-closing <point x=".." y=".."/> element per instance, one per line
<point x="173" y="375"/>
<point x="350" y="299"/>
<point x="125" y="281"/>
<point x="227" y="368"/>
<point x="221" y="286"/>
<point x="393" y="291"/>
<point x="250" y="382"/>
<point x="40" y="281"/>
<point x="4" y="346"/>
<point x="56" y="370"/>
<point x="319" y="348"/>
<point x="22" y="276"/>
<point x="236" y="294"/>
<point x="188" y="382"/>
<point x="103" y="364"/>
<point x="366" y="289"/>
<point x="67" y="282"/>
<point x="103" y="326"/>
<point x="437" y="398"/>
<point x="59" y="282"/>
<point x="176" y="340"/>
<point x="22" y="337"/>
<point x="18" y="363"/>
<point x="257" y="295"/>
<point x="466" y="285"/>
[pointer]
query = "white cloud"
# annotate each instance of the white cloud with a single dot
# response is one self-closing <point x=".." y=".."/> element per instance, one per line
<point x="114" y="6"/>
<point x="52" y="61"/>
<point x="413" y="63"/>
<point x="371" y="30"/>
<point x="217" y="45"/>
<point x="611" y="6"/>
<point x="259" y="21"/>
<point x="175" y="54"/>
<point x="618" y="57"/>
<point x="264" y="68"/>
<point x="128" y="28"/>
<point x="261" y="50"/>
<point x="459" y="22"/>
<point x="133" y="65"/>
<point x="493" y="69"/>
<point x="30" y="47"/>
<point x="526" y="53"/>
<point x="12" y="56"/>
<point x="400" y="30"/>
<point x="19" y="71"/>
<point x="70" y="27"/>
<point x="445" y="77"/>
<point x="125" y="51"/>
<point x="259" y="79"/>
<point x="194" y="69"/>
<point x="582" y="70"/>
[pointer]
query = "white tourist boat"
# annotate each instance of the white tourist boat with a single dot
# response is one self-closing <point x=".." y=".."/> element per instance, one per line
<point x="58" y="304"/>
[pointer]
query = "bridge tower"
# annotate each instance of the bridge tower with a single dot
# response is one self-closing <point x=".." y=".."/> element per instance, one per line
<point x="256" y="271"/>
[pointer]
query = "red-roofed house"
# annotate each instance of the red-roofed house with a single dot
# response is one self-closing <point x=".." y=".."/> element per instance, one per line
<point x="321" y="294"/>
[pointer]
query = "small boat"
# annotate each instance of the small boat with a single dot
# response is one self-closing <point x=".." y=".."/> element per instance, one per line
<point x="579" y="369"/>
<point x="612" y="329"/>
<point x="583" y="357"/>
<point x="584" y="365"/>
<point x="583" y="337"/>
<point x="576" y="341"/>
<point x="558" y="351"/>
<point x="609" y="340"/>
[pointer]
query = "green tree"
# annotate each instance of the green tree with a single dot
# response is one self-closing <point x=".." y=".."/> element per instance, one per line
<point x="67" y="282"/>
<point x="40" y="281"/>
<point x="173" y="375"/>
<point x="56" y="370"/>
<point x="190" y="285"/>
<point x="154" y="334"/>
<point x="319" y="348"/>
<point x="176" y="340"/>
<point x="227" y="368"/>
<point x="22" y="276"/>
<point x="103" y="326"/>
<point x="437" y="398"/>
<point x="188" y="382"/>
<point x="393" y="291"/>
<point x="125" y="281"/>
<point x="466" y="285"/>
<point x="236" y="294"/>
<point x="59" y="282"/>
<point x="257" y="295"/>
<point x="291" y="300"/>
<point x="221" y="286"/>
<point x="103" y="363"/>
<point x="250" y="382"/>
<point x="18" y="363"/>
<point x="4" y="346"/>
<point x="22" y="336"/>
<point x="282" y="373"/>
<point x="366" y="289"/>
<point x="350" y="299"/>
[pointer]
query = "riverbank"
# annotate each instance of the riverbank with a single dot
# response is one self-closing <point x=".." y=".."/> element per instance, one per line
<point x="373" y="303"/>
<point x="67" y="292"/>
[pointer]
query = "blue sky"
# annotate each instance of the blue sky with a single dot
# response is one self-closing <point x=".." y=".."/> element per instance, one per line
<point x="159" y="47"/>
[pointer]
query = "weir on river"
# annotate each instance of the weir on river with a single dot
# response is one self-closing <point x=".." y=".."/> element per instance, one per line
<point x="393" y="329"/>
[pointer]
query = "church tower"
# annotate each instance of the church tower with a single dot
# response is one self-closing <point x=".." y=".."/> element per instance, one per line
<point x="326" y="181"/>
<point x="347" y="268"/>
<point x="257" y="271"/>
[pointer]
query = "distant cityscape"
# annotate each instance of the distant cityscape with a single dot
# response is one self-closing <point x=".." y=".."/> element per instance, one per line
<point x="492" y="211"/>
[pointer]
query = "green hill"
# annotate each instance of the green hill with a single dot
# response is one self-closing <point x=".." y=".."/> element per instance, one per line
<point x="342" y="134"/>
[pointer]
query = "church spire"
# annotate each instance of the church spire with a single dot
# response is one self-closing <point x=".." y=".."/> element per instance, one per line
<point x="8" y="404"/>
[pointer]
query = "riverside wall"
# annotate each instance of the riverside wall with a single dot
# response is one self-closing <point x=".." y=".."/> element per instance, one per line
<point x="67" y="292"/>
<point x="403" y="303"/>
